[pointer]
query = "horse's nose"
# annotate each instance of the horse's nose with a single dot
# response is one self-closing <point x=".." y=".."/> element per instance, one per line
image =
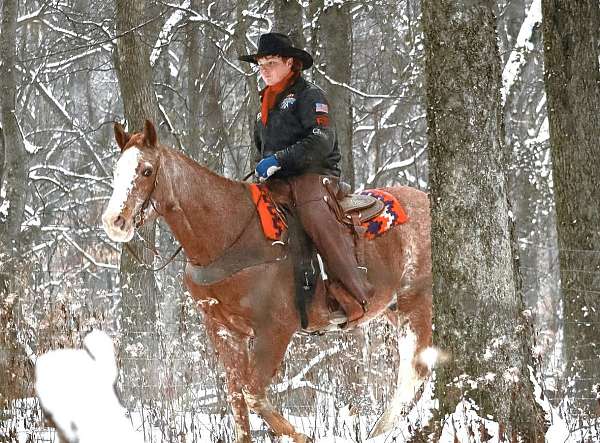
<point x="119" y="222"/>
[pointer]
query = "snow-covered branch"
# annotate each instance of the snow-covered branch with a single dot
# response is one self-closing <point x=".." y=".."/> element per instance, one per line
<point x="34" y="16"/>
<point x="167" y="32"/>
<point x="298" y="380"/>
<point x="396" y="166"/>
<point x="352" y="89"/>
<point x="197" y="17"/>
<point x="67" y="173"/>
<point x="67" y="119"/>
<point x="523" y="44"/>
<point x="87" y="256"/>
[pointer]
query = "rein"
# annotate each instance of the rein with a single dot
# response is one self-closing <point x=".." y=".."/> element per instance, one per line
<point x="139" y="220"/>
<point x="240" y="235"/>
<point x="233" y="260"/>
<point x="145" y="265"/>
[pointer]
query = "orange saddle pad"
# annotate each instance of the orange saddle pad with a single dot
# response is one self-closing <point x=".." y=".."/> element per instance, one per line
<point x="274" y="225"/>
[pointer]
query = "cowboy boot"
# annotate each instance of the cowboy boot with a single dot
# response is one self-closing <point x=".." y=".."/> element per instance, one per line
<point x="353" y="310"/>
<point x="332" y="239"/>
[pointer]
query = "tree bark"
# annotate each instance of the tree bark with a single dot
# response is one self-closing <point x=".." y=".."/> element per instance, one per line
<point x="15" y="155"/>
<point x="13" y="364"/>
<point x="194" y="143"/>
<point x="213" y="124"/>
<point x="288" y="20"/>
<point x="478" y="311"/>
<point x="572" y="80"/>
<point x="252" y="103"/>
<point x="139" y="292"/>
<point x="335" y="26"/>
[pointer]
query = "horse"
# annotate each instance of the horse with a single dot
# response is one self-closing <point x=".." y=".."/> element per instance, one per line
<point x="250" y="313"/>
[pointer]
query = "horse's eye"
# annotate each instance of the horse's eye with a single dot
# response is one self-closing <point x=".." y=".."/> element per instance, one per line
<point x="147" y="172"/>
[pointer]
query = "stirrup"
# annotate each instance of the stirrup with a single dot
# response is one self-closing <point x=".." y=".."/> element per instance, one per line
<point x="365" y="305"/>
<point x="337" y="317"/>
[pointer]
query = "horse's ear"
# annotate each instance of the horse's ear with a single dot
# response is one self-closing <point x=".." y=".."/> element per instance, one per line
<point x="121" y="136"/>
<point x="150" y="133"/>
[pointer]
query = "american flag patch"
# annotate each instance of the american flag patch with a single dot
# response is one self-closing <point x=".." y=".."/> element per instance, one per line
<point x="321" y="107"/>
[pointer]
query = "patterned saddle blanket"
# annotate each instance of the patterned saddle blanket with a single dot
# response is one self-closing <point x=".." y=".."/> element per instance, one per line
<point x="379" y="211"/>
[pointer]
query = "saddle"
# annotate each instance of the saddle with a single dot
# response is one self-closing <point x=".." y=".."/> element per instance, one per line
<point x="358" y="207"/>
<point x="367" y="215"/>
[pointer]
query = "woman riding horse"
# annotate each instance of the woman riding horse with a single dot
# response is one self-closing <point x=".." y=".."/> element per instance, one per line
<point x="297" y="147"/>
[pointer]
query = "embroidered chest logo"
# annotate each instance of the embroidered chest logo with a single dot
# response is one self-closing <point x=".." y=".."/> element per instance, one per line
<point x="287" y="102"/>
<point x="321" y="107"/>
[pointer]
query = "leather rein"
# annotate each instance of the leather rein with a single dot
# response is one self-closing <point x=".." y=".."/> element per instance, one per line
<point x="139" y="221"/>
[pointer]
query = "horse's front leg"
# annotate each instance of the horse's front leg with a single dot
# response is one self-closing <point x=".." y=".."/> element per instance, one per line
<point x="266" y="353"/>
<point x="232" y="351"/>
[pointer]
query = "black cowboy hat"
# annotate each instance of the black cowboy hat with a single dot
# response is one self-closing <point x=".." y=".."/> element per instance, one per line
<point x="278" y="44"/>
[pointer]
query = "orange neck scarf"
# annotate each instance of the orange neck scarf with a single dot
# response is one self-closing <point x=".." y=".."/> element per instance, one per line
<point x="270" y="93"/>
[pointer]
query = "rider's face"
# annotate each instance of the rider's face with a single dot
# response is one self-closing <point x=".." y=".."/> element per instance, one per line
<point x="274" y="68"/>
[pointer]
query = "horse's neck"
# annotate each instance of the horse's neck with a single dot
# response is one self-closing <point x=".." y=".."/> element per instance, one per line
<point x="205" y="211"/>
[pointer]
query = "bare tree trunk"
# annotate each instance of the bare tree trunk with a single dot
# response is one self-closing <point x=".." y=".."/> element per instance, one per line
<point x="194" y="143"/>
<point x="478" y="301"/>
<point x="253" y="104"/>
<point x="213" y="124"/>
<point x="14" y="181"/>
<point x="335" y="26"/>
<point x="288" y="20"/>
<point x="571" y="34"/>
<point x="15" y="155"/>
<point x="2" y="156"/>
<point x="139" y="291"/>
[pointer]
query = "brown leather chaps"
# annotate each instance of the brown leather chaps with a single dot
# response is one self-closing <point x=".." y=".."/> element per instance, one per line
<point x="311" y="202"/>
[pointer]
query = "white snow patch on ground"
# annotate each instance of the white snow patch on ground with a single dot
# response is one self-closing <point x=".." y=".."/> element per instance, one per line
<point x="76" y="387"/>
<point x="334" y="424"/>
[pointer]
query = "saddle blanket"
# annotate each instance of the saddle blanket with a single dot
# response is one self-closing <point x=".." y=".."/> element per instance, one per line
<point x="273" y="220"/>
<point x="393" y="214"/>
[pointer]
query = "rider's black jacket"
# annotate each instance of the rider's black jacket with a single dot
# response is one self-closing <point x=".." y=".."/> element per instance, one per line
<point x="299" y="132"/>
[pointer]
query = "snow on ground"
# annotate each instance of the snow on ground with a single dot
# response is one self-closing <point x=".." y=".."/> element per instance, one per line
<point x="76" y="386"/>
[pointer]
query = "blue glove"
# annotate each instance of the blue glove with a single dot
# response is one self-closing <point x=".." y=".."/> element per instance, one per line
<point x="267" y="167"/>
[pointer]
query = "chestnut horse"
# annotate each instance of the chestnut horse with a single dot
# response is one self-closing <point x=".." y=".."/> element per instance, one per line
<point x="250" y="315"/>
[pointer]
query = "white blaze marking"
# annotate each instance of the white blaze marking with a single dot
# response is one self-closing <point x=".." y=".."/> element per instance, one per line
<point x="124" y="178"/>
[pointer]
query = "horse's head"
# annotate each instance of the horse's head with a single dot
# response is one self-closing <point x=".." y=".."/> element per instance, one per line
<point x="134" y="182"/>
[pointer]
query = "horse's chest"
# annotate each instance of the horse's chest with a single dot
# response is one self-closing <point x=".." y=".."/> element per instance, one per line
<point x="232" y="312"/>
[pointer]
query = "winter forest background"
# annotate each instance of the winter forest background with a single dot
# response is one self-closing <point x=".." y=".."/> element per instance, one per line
<point x="457" y="98"/>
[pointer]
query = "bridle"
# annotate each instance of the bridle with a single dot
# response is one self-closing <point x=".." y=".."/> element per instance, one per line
<point x="138" y="220"/>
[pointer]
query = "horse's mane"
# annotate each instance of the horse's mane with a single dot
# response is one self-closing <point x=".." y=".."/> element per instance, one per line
<point x="200" y="168"/>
